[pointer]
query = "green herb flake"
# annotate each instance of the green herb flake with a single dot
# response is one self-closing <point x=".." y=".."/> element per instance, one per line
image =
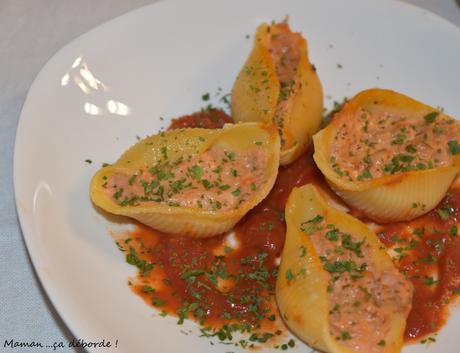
<point x="207" y="184"/>
<point x="117" y="194"/>
<point x="332" y="235"/>
<point x="312" y="225"/>
<point x="419" y="232"/>
<point x="444" y="213"/>
<point x="236" y="192"/>
<point x="230" y="155"/>
<point x="399" y="139"/>
<point x="302" y="251"/>
<point x="289" y="275"/>
<point x="454" y="147"/>
<point x="411" y="149"/>
<point x="157" y="301"/>
<point x="147" y="289"/>
<point x="144" y="267"/>
<point x="428" y="340"/>
<point x="366" y="174"/>
<point x="430" y="117"/>
<point x="196" y="172"/>
<point x="428" y="280"/>
<point x="345" y="336"/>
<point x="164" y="152"/>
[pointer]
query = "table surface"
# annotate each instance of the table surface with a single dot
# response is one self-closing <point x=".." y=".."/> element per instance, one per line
<point x="30" y="33"/>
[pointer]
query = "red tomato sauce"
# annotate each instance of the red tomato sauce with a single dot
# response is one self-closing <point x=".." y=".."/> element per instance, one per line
<point x="207" y="119"/>
<point x="427" y="250"/>
<point x="227" y="284"/>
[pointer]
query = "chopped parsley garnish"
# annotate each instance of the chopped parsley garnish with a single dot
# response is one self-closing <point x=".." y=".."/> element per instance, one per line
<point x="431" y="117"/>
<point x="311" y="226"/>
<point x="428" y="280"/>
<point x="405" y="158"/>
<point x="399" y="139"/>
<point x="303" y="251"/>
<point x="144" y="267"/>
<point x="164" y="152"/>
<point x="289" y="275"/>
<point x="196" y="172"/>
<point x="118" y="194"/>
<point x="230" y="155"/>
<point x="349" y="244"/>
<point x="344" y="336"/>
<point x="454" y="147"/>
<point x="147" y="289"/>
<point x="236" y="192"/>
<point x="344" y="266"/>
<point x="411" y="149"/>
<point x="190" y="276"/>
<point x="157" y="301"/>
<point x="366" y="174"/>
<point x="207" y="184"/>
<point x="445" y="212"/>
<point x="333" y="234"/>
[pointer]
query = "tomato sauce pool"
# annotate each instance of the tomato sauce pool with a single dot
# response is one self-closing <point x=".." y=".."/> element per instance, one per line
<point x="226" y="283"/>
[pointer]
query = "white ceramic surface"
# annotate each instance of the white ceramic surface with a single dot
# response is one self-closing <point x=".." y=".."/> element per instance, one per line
<point x="114" y="83"/>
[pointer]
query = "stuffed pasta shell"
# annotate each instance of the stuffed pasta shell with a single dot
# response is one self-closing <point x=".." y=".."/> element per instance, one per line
<point x="388" y="155"/>
<point x="196" y="182"/>
<point x="337" y="288"/>
<point x="278" y="85"/>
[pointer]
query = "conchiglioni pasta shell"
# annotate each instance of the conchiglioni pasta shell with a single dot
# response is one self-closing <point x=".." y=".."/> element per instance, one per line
<point x="256" y="90"/>
<point x="303" y="302"/>
<point x="191" y="221"/>
<point x="389" y="198"/>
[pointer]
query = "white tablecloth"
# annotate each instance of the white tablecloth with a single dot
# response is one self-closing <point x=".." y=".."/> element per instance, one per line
<point x="31" y="31"/>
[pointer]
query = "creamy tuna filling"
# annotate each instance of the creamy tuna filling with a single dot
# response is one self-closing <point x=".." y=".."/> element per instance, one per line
<point x="369" y="145"/>
<point x="362" y="300"/>
<point x="215" y="179"/>
<point x="285" y="53"/>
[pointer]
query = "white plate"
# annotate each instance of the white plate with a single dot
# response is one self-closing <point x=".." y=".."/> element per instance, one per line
<point x="112" y="84"/>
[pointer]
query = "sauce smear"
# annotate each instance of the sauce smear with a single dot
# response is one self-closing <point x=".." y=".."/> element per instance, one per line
<point x="427" y="251"/>
<point x="226" y="283"/>
<point x="206" y="119"/>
